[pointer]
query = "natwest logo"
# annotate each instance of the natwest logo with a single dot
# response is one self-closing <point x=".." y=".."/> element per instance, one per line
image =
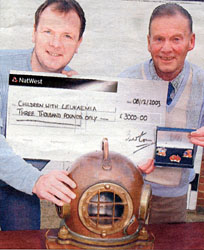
<point x="14" y="79"/>
<point x="30" y="80"/>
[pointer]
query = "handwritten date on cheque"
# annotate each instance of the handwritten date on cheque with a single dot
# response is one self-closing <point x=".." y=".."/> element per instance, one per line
<point x="139" y="102"/>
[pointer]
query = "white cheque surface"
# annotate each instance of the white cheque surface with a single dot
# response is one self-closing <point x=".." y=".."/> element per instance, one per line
<point x="62" y="124"/>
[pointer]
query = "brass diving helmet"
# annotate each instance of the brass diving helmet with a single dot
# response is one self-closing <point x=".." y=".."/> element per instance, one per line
<point x="111" y="205"/>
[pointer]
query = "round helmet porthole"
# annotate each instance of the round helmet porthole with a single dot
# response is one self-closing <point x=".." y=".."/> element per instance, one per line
<point x="105" y="208"/>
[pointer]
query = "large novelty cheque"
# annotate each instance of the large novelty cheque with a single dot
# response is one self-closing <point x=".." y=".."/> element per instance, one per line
<point x="54" y="117"/>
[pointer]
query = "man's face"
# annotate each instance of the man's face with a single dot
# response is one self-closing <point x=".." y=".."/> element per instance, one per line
<point x="169" y="41"/>
<point x="56" y="40"/>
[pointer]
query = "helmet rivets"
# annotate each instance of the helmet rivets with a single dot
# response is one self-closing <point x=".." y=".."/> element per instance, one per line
<point x="103" y="234"/>
<point x="107" y="186"/>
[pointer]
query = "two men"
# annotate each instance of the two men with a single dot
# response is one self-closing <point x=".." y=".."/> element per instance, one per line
<point x="59" y="26"/>
<point x="58" y="31"/>
<point x="170" y="39"/>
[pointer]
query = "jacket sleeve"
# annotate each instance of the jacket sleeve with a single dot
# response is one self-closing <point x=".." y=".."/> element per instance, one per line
<point x="15" y="171"/>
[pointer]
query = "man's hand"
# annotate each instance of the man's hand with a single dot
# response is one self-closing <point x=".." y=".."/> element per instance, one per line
<point x="197" y="137"/>
<point x="69" y="73"/>
<point x="148" y="167"/>
<point x="53" y="187"/>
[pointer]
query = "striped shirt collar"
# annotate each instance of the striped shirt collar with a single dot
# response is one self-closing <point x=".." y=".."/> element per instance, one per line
<point x="175" y="82"/>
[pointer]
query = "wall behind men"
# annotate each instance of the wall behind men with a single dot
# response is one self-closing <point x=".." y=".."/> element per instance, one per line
<point x="115" y="36"/>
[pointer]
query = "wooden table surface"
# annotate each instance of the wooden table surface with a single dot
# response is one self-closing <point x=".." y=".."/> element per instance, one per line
<point x="185" y="236"/>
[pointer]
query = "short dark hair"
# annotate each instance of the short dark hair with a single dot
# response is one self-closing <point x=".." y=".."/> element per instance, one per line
<point x="171" y="9"/>
<point x="63" y="6"/>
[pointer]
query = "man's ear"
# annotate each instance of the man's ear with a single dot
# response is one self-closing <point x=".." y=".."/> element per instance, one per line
<point x="148" y="43"/>
<point x="33" y="34"/>
<point x="78" y="44"/>
<point x="192" y="42"/>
